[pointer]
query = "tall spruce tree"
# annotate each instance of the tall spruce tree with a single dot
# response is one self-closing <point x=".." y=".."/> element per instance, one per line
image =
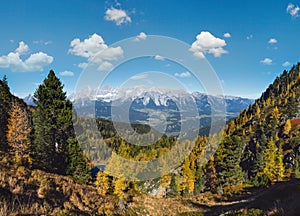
<point x="227" y="161"/>
<point x="55" y="148"/>
<point x="49" y="142"/>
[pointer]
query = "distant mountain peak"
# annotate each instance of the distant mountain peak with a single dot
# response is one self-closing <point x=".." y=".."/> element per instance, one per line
<point x="29" y="100"/>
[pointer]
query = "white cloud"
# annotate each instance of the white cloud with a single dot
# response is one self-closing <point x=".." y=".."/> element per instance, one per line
<point x="207" y="43"/>
<point x="67" y="73"/>
<point x="293" y="10"/>
<point x="286" y="64"/>
<point x="94" y="46"/>
<point x="95" y="51"/>
<point x="110" y="54"/>
<point x="272" y="41"/>
<point x="183" y="74"/>
<point x="35" y="62"/>
<point x="42" y="42"/>
<point x="227" y="35"/>
<point x="249" y="37"/>
<point x="117" y="15"/>
<point x="217" y="52"/>
<point x="267" y="61"/>
<point x="159" y="58"/>
<point x="83" y="65"/>
<point x="290" y="7"/>
<point x="141" y="36"/>
<point x="105" y="66"/>
<point x="38" y="61"/>
<point x="139" y="76"/>
<point x="89" y="47"/>
<point x="22" y="49"/>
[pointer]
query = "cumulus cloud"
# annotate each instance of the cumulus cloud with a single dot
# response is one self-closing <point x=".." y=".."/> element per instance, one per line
<point x="207" y="43"/>
<point x="110" y="54"/>
<point x="293" y="10"/>
<point x="117" y="15"/>
<point x="89" y="47"/>
<point x="67" y="73"/>
<point x="267" y="61"/>
<point x="35" y="62"/>
<point x="22" y="49"/>
<point x="141" y="36"/>
<point x="159" y="58"/>
<point x="105" y="66"/>
<point x="286" y="64"/>
<point x="183" y="74"/>
<point x="227" y="35"/>
<point x="83" y="65"/>
<point x="95" y="51"/>
<point x="272" y="41"/>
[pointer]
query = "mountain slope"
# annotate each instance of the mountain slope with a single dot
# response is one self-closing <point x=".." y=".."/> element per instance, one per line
<point x="268" y="134"/>
<point x="35" y="192"/>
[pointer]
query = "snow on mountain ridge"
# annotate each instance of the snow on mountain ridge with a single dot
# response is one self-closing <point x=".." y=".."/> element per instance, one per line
<point x="160" y="96"/>
<point x="146" y="95"/>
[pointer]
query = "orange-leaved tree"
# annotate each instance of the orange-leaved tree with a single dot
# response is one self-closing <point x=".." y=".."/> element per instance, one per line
<point x="19" y="128"/>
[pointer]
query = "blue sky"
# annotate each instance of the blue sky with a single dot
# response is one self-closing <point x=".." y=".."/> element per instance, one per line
<point x="262" y="39"/>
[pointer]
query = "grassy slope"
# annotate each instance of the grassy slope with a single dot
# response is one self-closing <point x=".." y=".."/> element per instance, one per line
<point x="35" y="192"/>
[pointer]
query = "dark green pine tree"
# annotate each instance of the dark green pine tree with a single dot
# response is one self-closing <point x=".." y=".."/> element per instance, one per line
<point x="200" y="180"/>
<point x="49" y="143"/>
<point x="228" y="159"/>
<point x="55" y="148"/>
<point x="5" y="106"/>
<point x="77" y="162"/>
<point x="173" y="189"/>
<point x="256" y="169"/>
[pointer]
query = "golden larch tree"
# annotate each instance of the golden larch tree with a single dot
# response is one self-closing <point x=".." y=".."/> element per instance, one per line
<point x="18" y="130"/>
<point x="103" y="183"/>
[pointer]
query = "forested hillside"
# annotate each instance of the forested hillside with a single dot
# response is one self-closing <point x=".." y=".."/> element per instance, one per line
<point x="258" y="147"/>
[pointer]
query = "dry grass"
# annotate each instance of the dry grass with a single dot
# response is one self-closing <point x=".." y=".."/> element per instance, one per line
<point x="34" y="192"/>
<point x="146" y="205"/>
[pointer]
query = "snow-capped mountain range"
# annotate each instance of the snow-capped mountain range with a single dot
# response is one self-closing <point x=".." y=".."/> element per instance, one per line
<point x="144" y="97"/>
<point x="160" y="96"/>
<point x="141" y="98"/>
<point x="154" y="104"/>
